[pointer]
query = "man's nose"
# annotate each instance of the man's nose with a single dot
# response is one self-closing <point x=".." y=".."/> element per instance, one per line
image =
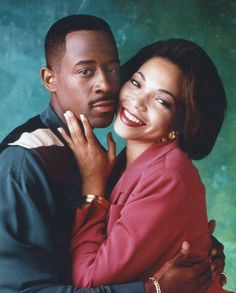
<point x="102" y="83"/>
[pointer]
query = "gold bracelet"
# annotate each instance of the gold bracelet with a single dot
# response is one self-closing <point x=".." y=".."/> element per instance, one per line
<point x="156" y="284"/>
<point x="88" y="198"/>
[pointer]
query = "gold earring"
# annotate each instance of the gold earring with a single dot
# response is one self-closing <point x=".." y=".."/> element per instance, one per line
<point x="172" y="135"/>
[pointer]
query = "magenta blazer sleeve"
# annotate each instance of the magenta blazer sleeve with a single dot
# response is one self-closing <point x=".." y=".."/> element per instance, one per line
<point x="145" y="230"/>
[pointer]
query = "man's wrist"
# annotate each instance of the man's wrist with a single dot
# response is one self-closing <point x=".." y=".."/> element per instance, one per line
<point x="152" y="286"/>
<point x="149" y="287"/>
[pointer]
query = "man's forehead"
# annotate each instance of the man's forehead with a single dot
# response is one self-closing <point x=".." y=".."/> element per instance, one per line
<point x="91" y="43"/>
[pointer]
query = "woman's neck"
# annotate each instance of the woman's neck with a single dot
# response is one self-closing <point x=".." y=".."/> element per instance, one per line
<point x="135" y="149"/>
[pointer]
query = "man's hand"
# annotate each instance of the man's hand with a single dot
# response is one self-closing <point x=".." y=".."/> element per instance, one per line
<point x="216" y="255"/>
<point x="177" y="277"/>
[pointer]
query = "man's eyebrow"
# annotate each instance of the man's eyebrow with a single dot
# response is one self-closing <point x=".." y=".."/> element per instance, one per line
<point x="85" y="62"/>
<point x="90" y="62"/>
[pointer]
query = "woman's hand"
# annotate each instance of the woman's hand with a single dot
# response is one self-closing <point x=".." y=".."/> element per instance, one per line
<point x="94" y="162"/>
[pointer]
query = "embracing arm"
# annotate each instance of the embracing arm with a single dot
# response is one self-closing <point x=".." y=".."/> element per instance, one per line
<point x="27" y="245"/>
<point x="144" y="233"/>
<point x="100" y="259"/>
<point x="188" y="278"/>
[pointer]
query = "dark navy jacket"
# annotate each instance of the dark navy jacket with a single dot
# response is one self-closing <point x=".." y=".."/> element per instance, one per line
<point x="39" y="191"/>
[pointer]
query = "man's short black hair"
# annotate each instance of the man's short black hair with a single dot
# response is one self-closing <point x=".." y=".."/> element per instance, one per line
<point x="55" y="38"/>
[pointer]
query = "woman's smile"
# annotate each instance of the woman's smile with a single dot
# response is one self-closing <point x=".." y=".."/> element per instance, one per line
<point x="130" y="119"/>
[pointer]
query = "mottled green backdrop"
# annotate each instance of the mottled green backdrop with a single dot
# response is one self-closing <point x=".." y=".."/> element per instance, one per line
<point x="212" y="24"/>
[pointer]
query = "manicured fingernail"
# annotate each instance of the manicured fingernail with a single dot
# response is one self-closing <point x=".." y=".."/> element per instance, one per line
<point x="68" y="114"/>
<point x="60" y="129"/>
<point x="82" y="117"/>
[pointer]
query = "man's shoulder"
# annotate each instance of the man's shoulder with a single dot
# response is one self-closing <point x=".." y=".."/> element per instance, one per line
<point x="28" y="126"/>
<point x="33" y="141"/>
<point x="40" y="137"/>
<point x="32" y="134"/>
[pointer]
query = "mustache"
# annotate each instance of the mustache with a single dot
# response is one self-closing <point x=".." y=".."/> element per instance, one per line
<point x="103" y="99"/>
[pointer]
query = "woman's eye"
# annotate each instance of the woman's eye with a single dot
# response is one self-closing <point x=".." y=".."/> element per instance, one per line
<point x="135" y="83"/>
<point x="85" y="72"/>
<point x="163" y="102"/>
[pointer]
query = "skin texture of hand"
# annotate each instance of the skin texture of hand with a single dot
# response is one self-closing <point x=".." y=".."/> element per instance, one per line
<point x="216" y="255"/>
<point x="95" y="164"/>
<point x="176" y="277"/>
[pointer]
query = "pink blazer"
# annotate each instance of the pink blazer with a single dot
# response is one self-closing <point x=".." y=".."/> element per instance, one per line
<point x="158" y="202"/>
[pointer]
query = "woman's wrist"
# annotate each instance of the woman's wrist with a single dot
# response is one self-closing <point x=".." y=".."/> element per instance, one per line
<point x="86" y="199"/>
<point x="92" y="186"/>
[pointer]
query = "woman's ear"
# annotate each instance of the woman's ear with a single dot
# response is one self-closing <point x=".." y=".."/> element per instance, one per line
<point x="49" y="79"/>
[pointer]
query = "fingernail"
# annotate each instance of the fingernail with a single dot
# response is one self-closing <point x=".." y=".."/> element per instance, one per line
<point x="60" y="129"/>
<point x="82" y="117"/>
<point x="68" y="114"/>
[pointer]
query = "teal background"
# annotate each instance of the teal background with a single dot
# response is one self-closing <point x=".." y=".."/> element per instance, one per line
<point x="212" y="24"/>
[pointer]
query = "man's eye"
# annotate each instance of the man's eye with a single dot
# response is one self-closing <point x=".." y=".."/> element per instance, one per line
<point x="135" y="83"/>
<point x="85" y="72"/>
<point x="112" y="70"/>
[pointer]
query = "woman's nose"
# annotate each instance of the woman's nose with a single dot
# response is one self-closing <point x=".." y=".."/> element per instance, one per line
<point x="139" y="102"/>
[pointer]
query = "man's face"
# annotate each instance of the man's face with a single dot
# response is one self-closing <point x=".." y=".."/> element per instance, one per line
<point x="87" y="79"/>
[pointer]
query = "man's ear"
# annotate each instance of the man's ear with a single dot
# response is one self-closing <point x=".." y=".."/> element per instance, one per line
<point x="49" y="79"/>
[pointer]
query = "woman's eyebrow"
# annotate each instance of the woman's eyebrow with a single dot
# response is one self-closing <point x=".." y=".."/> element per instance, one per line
<point x="142" y="76"/>
<point x="168" y="93"/>
<point x="161" y="90"/>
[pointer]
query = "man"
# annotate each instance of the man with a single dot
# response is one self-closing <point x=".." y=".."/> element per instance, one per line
<point x="40" y="183"/>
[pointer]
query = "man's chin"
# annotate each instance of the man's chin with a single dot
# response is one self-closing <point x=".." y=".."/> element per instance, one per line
<point x="101" y="122"/>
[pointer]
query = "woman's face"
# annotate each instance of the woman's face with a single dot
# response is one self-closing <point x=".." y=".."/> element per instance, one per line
<point x="149" y="102"/>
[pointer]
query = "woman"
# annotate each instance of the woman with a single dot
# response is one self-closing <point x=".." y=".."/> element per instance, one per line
<point x="171" y="109"/>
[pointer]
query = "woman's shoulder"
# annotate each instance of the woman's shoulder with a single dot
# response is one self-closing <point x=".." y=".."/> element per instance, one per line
<point x="177" y="158"/>
<point x="172" y="157"/>
<point x="174" y="161"/>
